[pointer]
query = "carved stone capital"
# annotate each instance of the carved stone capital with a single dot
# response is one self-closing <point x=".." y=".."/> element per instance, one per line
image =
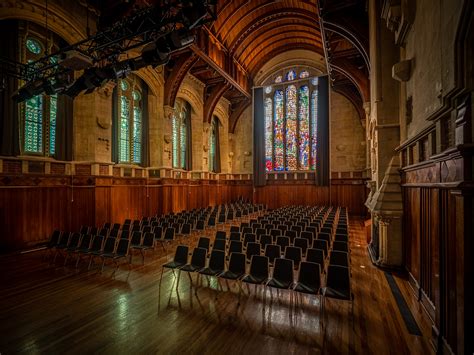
<point x="168" y="111"/>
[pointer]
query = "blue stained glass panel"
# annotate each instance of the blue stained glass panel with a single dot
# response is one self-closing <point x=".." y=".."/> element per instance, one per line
<point x="183" y="140"/>
<point x="34" y="125"/>
<point x="124" y="149"/>
<point x="137" y="135"/>
<point x="175" y="141"/>
<point x="53" y="111"/>
<point x="291" y="75"/>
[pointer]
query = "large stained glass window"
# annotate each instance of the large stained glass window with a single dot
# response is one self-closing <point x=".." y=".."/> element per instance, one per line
<point x="179" y="138"/>
<point x="130" y="116"/>
<point x="291" y="122"/>
<point x="39" y="113"/>
<point x="213" y="144"/>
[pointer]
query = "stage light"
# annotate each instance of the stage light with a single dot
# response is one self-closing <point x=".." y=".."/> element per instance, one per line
<point x="31" y="89"/>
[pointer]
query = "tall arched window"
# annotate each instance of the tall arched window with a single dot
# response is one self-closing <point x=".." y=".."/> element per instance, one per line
<point x="180" y="131"/>
<point x="130" y="113"/>
<point x="214" y="146"/>
<point x="39" y="113"/>
<point x="291" y="122"/>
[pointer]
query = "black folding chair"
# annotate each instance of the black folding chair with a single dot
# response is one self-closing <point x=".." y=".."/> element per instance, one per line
<point x="338" y="286"/>
<point x="180" y="259"/>
<point x="273" y="252"/>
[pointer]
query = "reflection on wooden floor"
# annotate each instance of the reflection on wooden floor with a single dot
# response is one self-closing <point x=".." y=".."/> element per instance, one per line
<point x="55" y="309"/>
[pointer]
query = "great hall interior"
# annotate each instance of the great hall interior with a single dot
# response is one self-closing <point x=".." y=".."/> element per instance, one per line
<point x="236" y="176"/>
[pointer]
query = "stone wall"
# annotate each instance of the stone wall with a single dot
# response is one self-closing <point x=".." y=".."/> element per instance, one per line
<point x="348" y="146"/>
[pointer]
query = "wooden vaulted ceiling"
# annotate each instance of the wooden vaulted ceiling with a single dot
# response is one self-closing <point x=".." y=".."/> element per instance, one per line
<point x="246" y="34"/>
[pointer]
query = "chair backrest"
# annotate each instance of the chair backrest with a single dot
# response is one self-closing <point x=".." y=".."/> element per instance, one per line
<point x="291" y="234"/>
<point x="169" y="234"/>
<point x="85" y="241"/>
<point x="340" y="246"/>
<point x="146" y="229"/>
<point x="282" y="227"/>
<point x="221" y="218"/>
<point x="204" y="242"/>
<point x="235" y="236"/>
<point x="198" y="259"/>
<point x="109" y="245"/>
<point x="97" y="243"/>
<point x="125" y="234"/>
<point x="186" y="228"/>
<point x="211" y="221"/>
<point x="315" y="256"/>
<point x="136" y="228"/>
<point x="310" y="274"/>
<point x="302" y="243"/>
<point x="234" y="229"/>
<point x="200" y="224"/>
<point x="54" y="240"/>
<point x="297" y="228"/>
<point x="235" y="247"/>
<point x="283" y="242"/>
<point x="259" y="266"/>
<point x="136" y="239"/>
<point x="74" y="241"/>
<point x="64" y="238"/>
<point x="321" y="244"/>
<point x="237" y="263"/>
<point x="244" y="225"/>
<point x="252" y="249"/>
<point x="276" y="232"/>
<point x="217" y="260"/>
<point x="247" y="230"/>
<point x="116" y="226"/>
<point x="122" y="247"/>
<point x="148" y="240"/>
<point x="293" y="253"/>
<point x="338" y="279"/>
<point x="181" y="254"/>
<point x="340" y="258"/>
<point x="113" y="233"/>
<point x="308" y="236"/>
<point x="249" y="238"/>
<point x="341" y="238"/>
<point x="325" y="236"/>
<point x="283" y="270"/>
<point x="219" y="244"/>
<point x="221" y="235"/>
<point x="272" y="251"/>
<point x="260" y="231"/>
<point x="326" y="230"/>
<point x="264" y="240"/>
<point x="158" y="232"/>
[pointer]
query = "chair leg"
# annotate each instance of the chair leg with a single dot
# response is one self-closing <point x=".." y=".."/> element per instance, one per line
<point x="103" y="263"/>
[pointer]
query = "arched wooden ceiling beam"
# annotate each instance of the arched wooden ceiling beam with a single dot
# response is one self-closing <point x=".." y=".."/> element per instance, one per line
<point x="253" y="70"/>
<point x="266" y="39"/>
<point x="283" y="28"/>
<point x="353" y="98"/>
<point x="272" y="17"/>
<point x="352" y="37"/>
<point x="176" y="76"/>
<point x="236" y="113"/>
<point x="283" y="42"/>
<point x="356" y="76"/>
<point x="211" y="99"/>
<point x="247" y="16"/>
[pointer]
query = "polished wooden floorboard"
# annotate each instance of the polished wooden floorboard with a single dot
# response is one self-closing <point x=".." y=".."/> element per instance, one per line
<point x="51" y="309"/>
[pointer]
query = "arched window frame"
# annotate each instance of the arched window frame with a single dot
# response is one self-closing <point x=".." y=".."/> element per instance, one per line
<point x="278" y="144"/>
<point x="130" y="116"/>
<point x="38" y="115"/>
<point x="179" y="131"/>
<point x="212" y="143"/>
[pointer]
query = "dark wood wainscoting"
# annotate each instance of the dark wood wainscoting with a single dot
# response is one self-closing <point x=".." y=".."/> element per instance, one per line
<point x="437" y="244"/>
<point x="32" y="206"/>
<point x="350" y="193"/>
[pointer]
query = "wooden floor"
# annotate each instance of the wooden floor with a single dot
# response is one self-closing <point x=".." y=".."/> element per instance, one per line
<point x="55" y="309"/>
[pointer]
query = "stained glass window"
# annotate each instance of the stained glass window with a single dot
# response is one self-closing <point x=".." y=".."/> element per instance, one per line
<point x="268" y="135"/>
<point x="291" y="129"/>
<point x="131" y="121"/>
<point x="212" y="144"/>
<point x="39" y="113"/>
<point x="304" y="132"/>
<point x="291" y="75"/>
<point x="179" y="134"/>
<point x="279" y="133"/>
<point x="34" y="46"/>
<point x="278" y="79"/>
<point x="290" y="115"/>
<point x="304" y="74"/>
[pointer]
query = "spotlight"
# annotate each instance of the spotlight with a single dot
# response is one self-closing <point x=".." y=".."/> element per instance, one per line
<point x="29" y="90"/>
